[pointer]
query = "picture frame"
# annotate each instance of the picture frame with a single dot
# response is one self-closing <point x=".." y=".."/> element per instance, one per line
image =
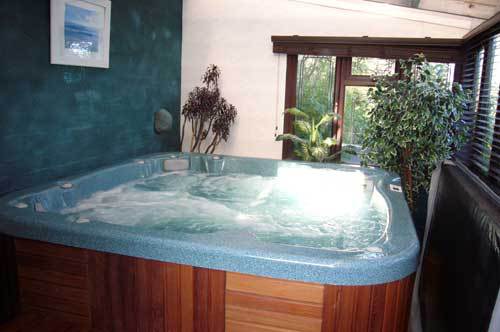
<point x="80" y="32"/>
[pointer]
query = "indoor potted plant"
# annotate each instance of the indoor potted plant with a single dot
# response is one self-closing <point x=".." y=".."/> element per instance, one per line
<point x="416" y="122"/>
<point x="210" y="116"/>
<point x="311" y="139"/>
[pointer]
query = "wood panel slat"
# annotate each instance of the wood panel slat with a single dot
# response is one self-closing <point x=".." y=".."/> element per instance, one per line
<point x="46" y="263"/>
<point x="53" y="280"/>
<point x="256" y="302"/>
<point x="41" y="321"/>
<point x="285" y="289"/>
<point x="267" y="304"/>
<point x="377" y="308"/>
<point x="187" y="298"/>
<point x="116" y="293"/>
<point x="54" y="277"/>
<point x="377" y="304"/>
<point x="54" y="304"/>
<point x="133" y="294"/>
<point x="235" y="326"/>
<point x="100" y="305"/>
<point x="43" y="288"/>
<point x="209" y="300"/>
<point x="39" y="248"/>
<point x="275" y="319"/>
<point x="151" y="295"/>
<point x="172" y="289"/>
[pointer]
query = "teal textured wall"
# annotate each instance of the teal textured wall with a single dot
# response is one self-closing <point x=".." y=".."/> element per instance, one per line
<point x="57" y="121"/>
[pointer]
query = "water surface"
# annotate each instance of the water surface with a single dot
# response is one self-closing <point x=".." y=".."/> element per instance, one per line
<point x="301" y="206"/>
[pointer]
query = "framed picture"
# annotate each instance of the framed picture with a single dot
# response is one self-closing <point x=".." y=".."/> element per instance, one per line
<point x="79" y="32"/>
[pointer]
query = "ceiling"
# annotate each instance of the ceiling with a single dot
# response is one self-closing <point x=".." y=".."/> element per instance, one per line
<point x="482" y="9"/>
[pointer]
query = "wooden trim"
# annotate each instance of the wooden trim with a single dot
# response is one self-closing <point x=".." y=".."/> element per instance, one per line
<point x="482" y="29"/>
<point x="369" y="41"/>
<point x="342" y="72"/>
<point x="290" y="101"/>
<point x="360" y="80"/>
<point x="436" y="50"/>
<point x="458" y="73"/>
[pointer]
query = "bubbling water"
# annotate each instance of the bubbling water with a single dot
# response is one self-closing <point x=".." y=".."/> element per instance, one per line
<point x="301" y="206"/>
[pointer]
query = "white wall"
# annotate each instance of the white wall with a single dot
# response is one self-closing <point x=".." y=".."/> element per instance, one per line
<point x="236" y="35"/>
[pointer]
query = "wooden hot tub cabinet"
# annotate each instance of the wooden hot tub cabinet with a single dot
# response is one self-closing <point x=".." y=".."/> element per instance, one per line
<point x="109" y="292"/>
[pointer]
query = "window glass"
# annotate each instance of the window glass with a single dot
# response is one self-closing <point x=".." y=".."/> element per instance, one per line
<point x="315" y="82"/>
<point x="354" y="121"/>
<point x="373" y="66"/>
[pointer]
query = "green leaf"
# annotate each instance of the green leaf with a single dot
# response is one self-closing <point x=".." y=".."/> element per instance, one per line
<point x="326" y="119"/>
<point x="303" y="126"/>
<point x="296" y="112"/>
<point x="291" y="137"/>
<point x="329" y="142"/>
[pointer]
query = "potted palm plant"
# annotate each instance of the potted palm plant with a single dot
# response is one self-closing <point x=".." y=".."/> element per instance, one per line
<point x="312" y="142"/>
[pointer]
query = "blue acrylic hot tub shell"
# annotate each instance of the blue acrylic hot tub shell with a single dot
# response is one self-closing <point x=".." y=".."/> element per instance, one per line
<point x="395" y="257"/>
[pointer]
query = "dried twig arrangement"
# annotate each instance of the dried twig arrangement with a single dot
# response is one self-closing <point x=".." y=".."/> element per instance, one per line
<point x="209" y="114"/>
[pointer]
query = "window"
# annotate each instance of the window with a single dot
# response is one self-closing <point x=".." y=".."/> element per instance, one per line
<point x="355" y="107"/>
<point x="482" y="76"/>
<point x="372" y="66"/>
<point x="335" y="73"/>
<point x="317" y="93"/>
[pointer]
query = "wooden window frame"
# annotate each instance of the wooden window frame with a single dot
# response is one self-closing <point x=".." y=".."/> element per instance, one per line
<point x="290" y="101"/>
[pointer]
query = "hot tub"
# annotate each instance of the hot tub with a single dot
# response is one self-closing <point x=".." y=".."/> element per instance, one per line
<point x="234" y="244"/>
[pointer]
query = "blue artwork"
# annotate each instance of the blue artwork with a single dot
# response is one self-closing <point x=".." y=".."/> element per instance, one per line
<point x="81" y="30"/>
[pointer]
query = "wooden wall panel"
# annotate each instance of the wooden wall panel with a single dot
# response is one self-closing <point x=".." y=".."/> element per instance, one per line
<point x="132" y="294"/>
<point x="110" y="293"/>
<point x="53" y="279"/>
<point x="267" y="304"/>
<point x="285" y="289"/>
<point x="384" y="307"/>
<point x="209" y="303"/>
<point x="187" y="298"/>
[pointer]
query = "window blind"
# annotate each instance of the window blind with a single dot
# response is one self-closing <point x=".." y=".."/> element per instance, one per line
<point x="481" y="75"/>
